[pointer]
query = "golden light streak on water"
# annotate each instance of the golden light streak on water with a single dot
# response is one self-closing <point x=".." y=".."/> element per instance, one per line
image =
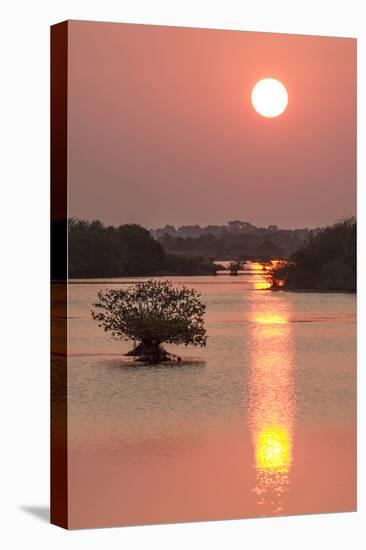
<point x="272" y="402"/>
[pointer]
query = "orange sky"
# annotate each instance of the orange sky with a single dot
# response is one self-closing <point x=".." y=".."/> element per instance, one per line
<point x="162" y="130"/>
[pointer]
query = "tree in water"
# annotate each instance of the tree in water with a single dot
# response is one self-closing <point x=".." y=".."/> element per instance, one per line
<point x="235" y="267"/>
<point x="151" y="313"/>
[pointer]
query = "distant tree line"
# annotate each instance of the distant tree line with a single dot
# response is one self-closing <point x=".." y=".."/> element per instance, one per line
<point x="237" y="246"/>
<point x="323" y="259"/>
<point x="326" y="261"/>
<point x="235" y="227"/>
<point x="96" y="250"/>
<point x="237" y="240"/>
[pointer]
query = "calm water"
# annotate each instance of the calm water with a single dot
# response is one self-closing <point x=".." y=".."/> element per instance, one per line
<point x="260" y="422"/>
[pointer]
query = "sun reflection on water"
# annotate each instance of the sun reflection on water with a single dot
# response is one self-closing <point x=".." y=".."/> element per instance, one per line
<point x="273" y="449"/>
<point x="272" y="406"/>
<point x="259" y="269"/>
<point x="261" y="285"/>
<point x="270" y="318"/>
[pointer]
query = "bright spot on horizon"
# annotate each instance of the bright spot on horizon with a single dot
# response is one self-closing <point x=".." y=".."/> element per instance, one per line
<point x="269" y="97"/>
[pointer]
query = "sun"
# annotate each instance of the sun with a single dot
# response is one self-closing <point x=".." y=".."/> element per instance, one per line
<point x="269" y="97"/>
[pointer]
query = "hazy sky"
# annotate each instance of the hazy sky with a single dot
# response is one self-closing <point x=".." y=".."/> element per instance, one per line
<point x="162" y="130"/>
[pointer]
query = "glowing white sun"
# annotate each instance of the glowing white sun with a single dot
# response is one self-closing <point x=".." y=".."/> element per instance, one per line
<point x="269" y="97"/>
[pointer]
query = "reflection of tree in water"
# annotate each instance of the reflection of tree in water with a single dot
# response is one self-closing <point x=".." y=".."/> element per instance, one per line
<point x="271" y="403"/>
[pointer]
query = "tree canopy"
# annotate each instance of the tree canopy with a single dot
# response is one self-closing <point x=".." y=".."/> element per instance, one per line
<point x="99" y="251"/>
<point x="151" y="313"/>
<point x="129" y="250"/>
<point x="327" y="261"/>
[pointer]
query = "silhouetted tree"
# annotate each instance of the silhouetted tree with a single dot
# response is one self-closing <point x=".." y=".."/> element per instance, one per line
<point x="235" y="267"/>
<point x="99" y="251"/>
<point x="151" y="313"/>
<point x="327" y="261"/>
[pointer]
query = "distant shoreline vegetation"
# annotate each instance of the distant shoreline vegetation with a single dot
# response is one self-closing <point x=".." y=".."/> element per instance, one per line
<point x="325" y="262"/>
<point x="235" y="241"/>
<point x="97" y="250"/>
<point x="319" y="259"/>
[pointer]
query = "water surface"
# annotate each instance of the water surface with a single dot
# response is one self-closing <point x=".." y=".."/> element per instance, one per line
<point x="261" y="422"/>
